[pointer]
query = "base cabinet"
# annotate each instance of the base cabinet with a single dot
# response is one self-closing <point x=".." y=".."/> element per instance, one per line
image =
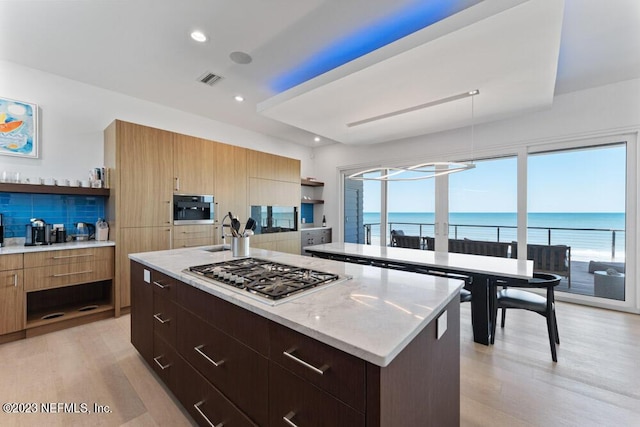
<point x="231" y="367"/>
<point x="11" y="295"/>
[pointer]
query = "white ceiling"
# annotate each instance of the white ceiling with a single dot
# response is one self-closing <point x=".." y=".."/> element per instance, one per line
<point x="142" y="48"/>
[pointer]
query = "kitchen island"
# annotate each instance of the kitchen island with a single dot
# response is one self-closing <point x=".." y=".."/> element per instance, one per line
<point x="379" y="348"/>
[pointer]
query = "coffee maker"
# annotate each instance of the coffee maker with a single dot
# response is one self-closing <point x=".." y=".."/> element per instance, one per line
<point x="38" y="233"/>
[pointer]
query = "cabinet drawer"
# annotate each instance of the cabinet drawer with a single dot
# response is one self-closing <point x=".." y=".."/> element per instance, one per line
<point x="193" y="231"/>
<point x="238" y="372"/>
<point x="11" y="262"/>
<point x="192" y="242"/>
<point x="333" y="370"/>
<point x="164" y="318"/>
<point x="67" y="256"/>
<point x="56" y="276"/>
<point x="305" y="405"/>
<point x="205" y="403"/>
<point x="246" y="327"/>
<point x="165" y="360"/>
<point x="164" y="285"/>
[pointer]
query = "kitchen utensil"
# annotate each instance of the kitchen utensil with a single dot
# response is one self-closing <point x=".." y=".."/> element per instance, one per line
<point x="250" y="225"/>
<point x="235" y="226"/>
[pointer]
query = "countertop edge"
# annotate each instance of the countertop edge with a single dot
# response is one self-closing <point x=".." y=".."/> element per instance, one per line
<point x="21" y="249"/>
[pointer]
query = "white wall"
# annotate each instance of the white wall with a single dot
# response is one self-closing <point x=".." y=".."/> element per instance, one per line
<point x="73" y="116"/>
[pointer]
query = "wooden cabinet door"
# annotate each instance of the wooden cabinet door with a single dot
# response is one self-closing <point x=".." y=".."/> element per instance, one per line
<point x="274" y="167"/>
<point x="303" y="404"/>
<point x="193" y="165"/>
<point x="231" y="182"/>
<point x="142" y="312"/>
<point x="11" y="301"/>
<point x="133" y="240"/>
<point x="145" y="184"/>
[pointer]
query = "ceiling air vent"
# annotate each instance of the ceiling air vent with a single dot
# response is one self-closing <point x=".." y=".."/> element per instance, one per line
<point x="209" y="78"/>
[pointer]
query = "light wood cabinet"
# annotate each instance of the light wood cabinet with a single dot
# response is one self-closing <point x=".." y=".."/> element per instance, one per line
<point x="231" y="181"/>
<point x="11" y="294"/>
<point x="132" y="240"/>
<point x="266" y="192"/>
<point x="151" y="165"/>
<point x="193" y="165"/>
<point x="282" y="242"/>
<point x="187" y="236"/>
<point x="273" y="167"/>
<point x="144" y="193"/>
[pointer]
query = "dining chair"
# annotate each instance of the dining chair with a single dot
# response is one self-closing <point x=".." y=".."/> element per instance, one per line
<point x="510" y="298"/>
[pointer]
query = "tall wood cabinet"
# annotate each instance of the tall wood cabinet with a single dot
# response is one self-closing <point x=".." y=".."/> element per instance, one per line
<point x="150" y="165"/>
<point x="194" y="161"/>
<point x="231" y="181"/>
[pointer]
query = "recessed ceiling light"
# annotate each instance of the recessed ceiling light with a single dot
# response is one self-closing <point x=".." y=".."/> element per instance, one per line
<point x="199" y="36"/>
<point x="316" y="139"/>
<point x="239" y="98"/>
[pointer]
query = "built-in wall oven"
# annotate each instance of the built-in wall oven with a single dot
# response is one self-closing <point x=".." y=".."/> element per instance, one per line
<point x="192" y="209"/>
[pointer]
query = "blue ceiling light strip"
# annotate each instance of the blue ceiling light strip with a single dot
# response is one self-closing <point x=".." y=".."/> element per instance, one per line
<point x="414" y="17"/>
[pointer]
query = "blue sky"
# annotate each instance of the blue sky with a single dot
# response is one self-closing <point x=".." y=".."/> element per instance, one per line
<point x="589" y="180"/>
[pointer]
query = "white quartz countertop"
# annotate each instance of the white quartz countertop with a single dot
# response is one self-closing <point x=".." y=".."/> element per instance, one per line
<point x="487" y="265"/>
<point x="22" y="249"/>
<point x="373" y="315"/>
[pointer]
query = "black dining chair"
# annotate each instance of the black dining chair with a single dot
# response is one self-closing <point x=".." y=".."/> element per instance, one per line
<point x="509" y="298"/>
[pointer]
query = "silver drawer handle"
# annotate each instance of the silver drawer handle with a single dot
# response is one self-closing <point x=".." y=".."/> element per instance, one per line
<point x="159" y="319"/>
<point x="199" y="348"/>
<point x="197" y="406"/>
<point x="319" y="371"/>
<point x="71" y="274"/>
<point x="160" y="285"/>
<point x="163" y="367"/>
<point x="287" y="419"/>
<point x="70" y="256"/>
<point x="15" y="280"/>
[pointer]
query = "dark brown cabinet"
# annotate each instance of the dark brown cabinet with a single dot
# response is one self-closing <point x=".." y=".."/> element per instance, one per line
<point x="233" y="367"/>
<point x="237" y="371"/>
<point x="303" y="404"/>
<point x="141" y="312"/>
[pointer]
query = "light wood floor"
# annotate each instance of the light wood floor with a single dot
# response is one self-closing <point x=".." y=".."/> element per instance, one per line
<point x="596" y="381"/>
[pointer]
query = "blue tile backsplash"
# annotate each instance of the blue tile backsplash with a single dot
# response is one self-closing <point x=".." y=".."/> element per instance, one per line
<point x="17" y="210"/>
<point x="306" y="212"/>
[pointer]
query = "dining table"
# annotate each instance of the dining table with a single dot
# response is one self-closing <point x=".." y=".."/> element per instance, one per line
<point x="484" y="272"/>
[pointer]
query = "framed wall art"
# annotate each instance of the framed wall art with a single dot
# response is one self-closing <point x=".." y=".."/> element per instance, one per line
<point x="18" y="128"/>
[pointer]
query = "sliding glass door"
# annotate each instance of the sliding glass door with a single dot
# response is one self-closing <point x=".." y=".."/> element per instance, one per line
<point x="577" y="216"/>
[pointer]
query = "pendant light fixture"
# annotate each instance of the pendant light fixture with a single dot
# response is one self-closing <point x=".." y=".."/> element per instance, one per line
<point x="422" y="170"/>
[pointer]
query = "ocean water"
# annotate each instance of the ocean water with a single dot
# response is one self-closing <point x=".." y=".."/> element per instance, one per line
<point x="592" y="236"/>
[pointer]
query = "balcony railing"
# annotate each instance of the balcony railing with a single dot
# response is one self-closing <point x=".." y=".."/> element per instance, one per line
<point x="601" y="239"/>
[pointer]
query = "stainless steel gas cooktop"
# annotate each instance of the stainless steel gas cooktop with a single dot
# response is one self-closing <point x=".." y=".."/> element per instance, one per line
<point x="270" y="281"/>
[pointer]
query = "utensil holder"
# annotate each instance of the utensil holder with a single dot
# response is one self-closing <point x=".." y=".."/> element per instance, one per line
<point x="240" y="246"/>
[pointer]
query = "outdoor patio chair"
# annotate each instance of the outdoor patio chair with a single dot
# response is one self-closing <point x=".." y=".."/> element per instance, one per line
<point x="508" y="298"/>
<point x="411" y="242"/>
<point x="394" y="234"/>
